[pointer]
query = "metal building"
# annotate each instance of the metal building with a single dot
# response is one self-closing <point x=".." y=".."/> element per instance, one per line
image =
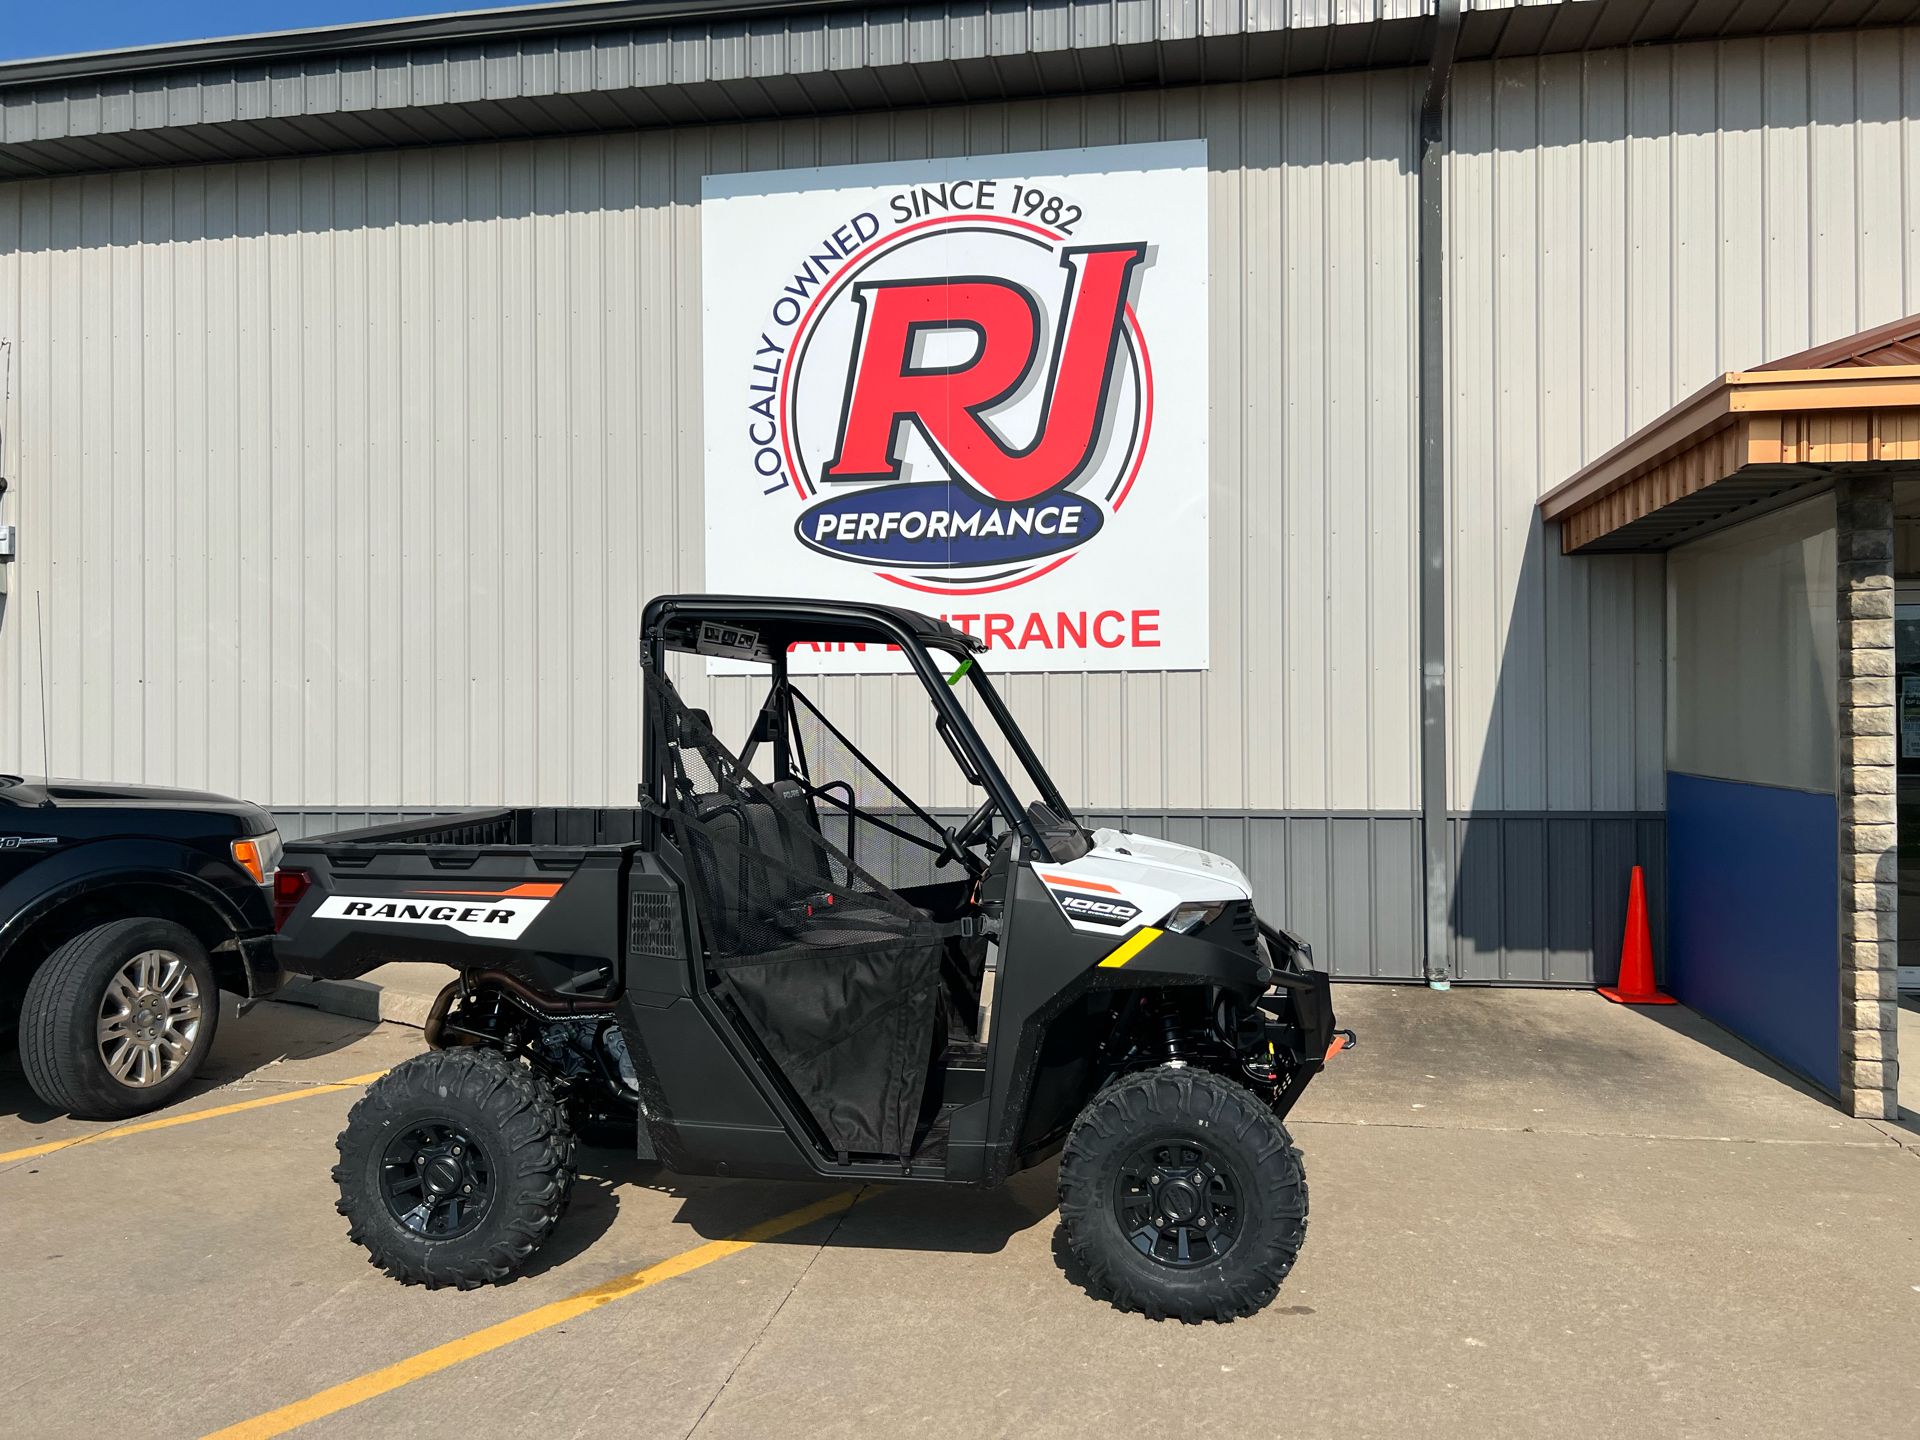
<point x="356" y="401"/>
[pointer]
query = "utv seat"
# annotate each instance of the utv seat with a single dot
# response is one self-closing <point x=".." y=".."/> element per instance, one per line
<point x="780" y="887"/>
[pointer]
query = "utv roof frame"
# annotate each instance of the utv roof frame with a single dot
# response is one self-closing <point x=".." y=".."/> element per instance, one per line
<point x="915" y="633"/>
<point x="863" y="616"/>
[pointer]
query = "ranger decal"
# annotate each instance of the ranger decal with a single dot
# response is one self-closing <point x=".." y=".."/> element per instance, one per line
<point x="493" y="919"/>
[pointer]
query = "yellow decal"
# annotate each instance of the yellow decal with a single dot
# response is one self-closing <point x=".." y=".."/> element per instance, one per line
<point x="1130" y="947"/>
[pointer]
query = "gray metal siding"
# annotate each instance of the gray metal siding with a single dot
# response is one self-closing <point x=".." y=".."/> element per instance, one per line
<point x="1623" y="227"/>
<point x="344" y="479"/>
<point x="1542" y="898"/>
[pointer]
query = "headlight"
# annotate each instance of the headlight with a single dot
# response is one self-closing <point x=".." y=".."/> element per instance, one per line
<point x="259" y="856"/>
<point x="1188" y="918"/>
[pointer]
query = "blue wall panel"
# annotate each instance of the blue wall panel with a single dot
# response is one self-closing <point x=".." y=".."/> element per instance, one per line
<point x="1753" y="897"/>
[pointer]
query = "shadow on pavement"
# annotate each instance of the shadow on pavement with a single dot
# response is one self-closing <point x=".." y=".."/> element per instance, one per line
<point x="244" y="1046"/>
<point x="958" y="1220"/>
<point x="1698" y="1028"/>
<point x="594" y="1207"/>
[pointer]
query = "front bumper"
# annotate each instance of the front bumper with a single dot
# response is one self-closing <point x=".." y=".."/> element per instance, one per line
<point x="1300" y="1027"/>
<point x="1301" y="999"/>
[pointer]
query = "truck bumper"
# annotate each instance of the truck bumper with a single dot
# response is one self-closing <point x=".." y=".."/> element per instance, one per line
<point x="262" y="966"/>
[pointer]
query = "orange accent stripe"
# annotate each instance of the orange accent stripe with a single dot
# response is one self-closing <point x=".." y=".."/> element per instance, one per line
<point x="540" y="891"/>
<point x="1079" y="884"/>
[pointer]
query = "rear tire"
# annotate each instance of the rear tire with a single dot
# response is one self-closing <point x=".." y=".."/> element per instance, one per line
<point x="454" y="1168"/>
<point x="119" y="1019"/>
<point x="1183" y="1196"/>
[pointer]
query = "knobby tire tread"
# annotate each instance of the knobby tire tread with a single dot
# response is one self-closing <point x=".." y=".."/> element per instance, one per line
<point x="534" y="1166"/>
<point x="1250" y="1274"/>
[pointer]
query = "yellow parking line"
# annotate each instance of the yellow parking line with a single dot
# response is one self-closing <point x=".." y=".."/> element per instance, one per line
<point x="545" y="1317"/>
<point x="167" y="1122"/>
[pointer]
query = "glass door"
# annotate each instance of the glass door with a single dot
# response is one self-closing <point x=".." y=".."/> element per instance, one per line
<point x="1906" y="702"/>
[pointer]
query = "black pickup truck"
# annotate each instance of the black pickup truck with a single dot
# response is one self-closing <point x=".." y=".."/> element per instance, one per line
<point x="124" y="911"/>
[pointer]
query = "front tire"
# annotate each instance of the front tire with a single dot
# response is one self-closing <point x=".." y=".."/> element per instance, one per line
<point x="119" y="1019"/>
<point x="454" y="1168"/>
<point x="1183" y="1196"/>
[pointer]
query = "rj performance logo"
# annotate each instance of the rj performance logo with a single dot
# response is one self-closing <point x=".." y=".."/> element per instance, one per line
<point x="962" y="433"/>
<point x="491" y="919"/>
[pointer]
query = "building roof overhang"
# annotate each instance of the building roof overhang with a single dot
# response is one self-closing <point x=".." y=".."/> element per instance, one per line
<point x="623" y="64"/>
<point x="1748" y="442"/>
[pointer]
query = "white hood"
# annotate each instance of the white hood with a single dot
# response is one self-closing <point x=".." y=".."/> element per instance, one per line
<point x="1143" y="874"/>
<point x="1190" y="873"/>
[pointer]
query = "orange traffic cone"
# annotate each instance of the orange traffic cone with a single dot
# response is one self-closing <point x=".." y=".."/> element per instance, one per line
<point x="1636" y="954"/>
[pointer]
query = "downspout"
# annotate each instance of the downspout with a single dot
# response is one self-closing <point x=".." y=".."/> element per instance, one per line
<point x="1435" y="836"/>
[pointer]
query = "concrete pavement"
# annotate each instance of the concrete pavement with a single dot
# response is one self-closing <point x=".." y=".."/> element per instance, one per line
<point x="1533" y="1213"/>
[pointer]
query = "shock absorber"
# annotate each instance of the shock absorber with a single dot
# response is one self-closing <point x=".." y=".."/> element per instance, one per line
<point x="1180" y="1037"/>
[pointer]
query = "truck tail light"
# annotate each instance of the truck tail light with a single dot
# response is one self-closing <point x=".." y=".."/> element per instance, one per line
<point x="289" y="888"/>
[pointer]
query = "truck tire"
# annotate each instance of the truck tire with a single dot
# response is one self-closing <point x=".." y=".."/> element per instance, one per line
<point x="454" y="1168"/>
<point x="1183" y="1196"/>
<point x="119" y="1019"/>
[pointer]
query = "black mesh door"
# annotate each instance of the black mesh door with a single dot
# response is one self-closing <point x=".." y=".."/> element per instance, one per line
<point x="836" y="975"/>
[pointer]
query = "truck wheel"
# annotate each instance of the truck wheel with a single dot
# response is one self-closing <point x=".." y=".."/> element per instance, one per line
<point x="119" y="1019"/>
<point x="454" y="1167"/>
<point x="1183" y="1196"/>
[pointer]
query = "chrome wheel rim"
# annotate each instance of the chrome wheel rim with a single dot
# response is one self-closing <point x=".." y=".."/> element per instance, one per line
<point x="149" y="1018"/>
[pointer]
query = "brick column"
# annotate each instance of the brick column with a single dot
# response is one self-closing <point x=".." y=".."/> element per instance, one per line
<point x="1869" y="838"/>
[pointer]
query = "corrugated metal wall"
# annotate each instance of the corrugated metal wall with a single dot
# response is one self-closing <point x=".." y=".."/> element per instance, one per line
<point x="1624" y="226"/>
<point x="344" y="479"/>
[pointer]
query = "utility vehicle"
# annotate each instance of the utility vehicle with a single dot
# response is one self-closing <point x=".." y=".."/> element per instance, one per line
<point x="776" y="966"/>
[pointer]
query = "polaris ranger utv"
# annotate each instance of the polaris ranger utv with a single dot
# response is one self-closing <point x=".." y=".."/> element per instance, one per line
<point x="774" y="967"/>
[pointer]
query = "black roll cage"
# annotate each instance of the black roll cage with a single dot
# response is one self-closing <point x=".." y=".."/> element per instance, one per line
<point x="913" y="634"/>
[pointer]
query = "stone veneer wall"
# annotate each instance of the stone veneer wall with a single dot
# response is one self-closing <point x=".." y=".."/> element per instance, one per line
<point x="1869" y="834"/>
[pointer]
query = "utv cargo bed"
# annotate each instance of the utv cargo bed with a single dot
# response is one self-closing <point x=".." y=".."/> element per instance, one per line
<point x="530" y="891"/>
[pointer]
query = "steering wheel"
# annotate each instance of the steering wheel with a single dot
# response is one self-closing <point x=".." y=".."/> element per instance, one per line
<point x="959" y="840"/>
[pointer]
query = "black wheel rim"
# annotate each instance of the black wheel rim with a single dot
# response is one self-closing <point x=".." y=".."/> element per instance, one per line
<point x="1178" y="1203"/>
<point x="436" y="1182"/>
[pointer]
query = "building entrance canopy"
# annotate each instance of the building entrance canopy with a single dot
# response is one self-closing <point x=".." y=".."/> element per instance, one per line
<point x="1750" y="442"/>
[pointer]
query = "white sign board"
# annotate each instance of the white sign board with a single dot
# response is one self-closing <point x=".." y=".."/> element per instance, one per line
<point x="972" y="387"/>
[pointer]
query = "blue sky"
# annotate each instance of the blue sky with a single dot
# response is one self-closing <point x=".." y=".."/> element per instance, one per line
<point x="50" y="27"/>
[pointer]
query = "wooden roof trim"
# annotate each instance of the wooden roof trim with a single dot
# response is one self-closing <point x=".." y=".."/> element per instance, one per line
<point x="1739" y="392"/>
